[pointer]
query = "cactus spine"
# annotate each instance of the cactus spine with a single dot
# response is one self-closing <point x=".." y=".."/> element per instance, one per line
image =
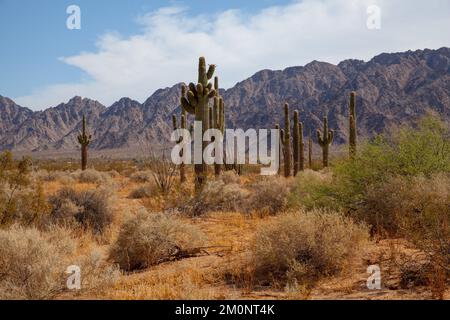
<point x="325" y="140"/>
<point x="84" y="138"/>
<point x="175" y="127"/>
<point x="286" y="140"/>
<point x="296" y="143"/>
<point x="352" y="125"/>
<point x="195" y="101"/>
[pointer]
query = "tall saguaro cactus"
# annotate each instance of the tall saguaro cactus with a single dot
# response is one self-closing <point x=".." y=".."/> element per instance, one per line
<point x="84" y="138"/>
<point x="325" y="140"/>
<point x="352" y="125"/>
<point x="301" y="147"/>
<point x="310" y="150"/>
<point x="217" y="118"/>
<point x="296" y="143"/>
<point x="280" y="149"/>
<point x="286" y="141"/>
<point x="195" y="101"/>
<point x="175" y="127"/>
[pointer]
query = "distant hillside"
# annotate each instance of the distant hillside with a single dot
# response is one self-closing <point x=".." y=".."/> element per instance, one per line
<point x="392" y="88"/>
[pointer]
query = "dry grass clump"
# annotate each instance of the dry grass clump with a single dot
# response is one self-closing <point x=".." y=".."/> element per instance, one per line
<point x="92" y="176"/>
<point x="268" y="196"/>
<point x="33" y="264"/>
<point x="230" y="177"/>
<point x="144" y="191"/>
<point x="90" y="209"/>
<point x="142" y="176"/>
<point x="418" y="209"/>
<point x="148" y="239"/>
<point x="216" y="196"/>
<point x="301" y="247"/>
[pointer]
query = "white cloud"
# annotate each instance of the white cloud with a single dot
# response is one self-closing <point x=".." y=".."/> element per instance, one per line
<point x="167" y="49"/>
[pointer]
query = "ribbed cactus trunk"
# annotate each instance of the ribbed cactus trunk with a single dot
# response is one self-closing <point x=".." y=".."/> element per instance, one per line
<point x="196" y="102"/>
<point x="352" y="125"/>
<point x="296" y="143"/>
<point x="325" y="141"/>
<point x="218" y="119"/>
<point x="286" y="140"/>
<point x="84" y="138"/>
<point x="280" y="149"/>
<point x="310" y="150"/>
<point x="301" y="147"/>
<point x="175" y="127"/>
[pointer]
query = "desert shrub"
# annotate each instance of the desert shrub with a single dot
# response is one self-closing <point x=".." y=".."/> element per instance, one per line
<point x="144" y="191"/>
<point x="304" y="246"/>
<point x="417" y="209"/>
<point x="312" y="189"/>
<point x="229" y="177"/>
<point x="148" y="239"/>
<point x="423" y="150"/>
<point x="164" y="172"/>
<point x="216" y="196"/>
<point x="142" y="176"/>
<point x="268" y="196"/>
<point x="21" y="198"/>
<point x="92" y="176"/>
<point x="88" y="209"/>
<point x="33" y="264"/>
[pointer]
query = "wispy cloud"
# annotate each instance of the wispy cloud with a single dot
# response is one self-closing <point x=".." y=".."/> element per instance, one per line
<point x="171" y="40"/>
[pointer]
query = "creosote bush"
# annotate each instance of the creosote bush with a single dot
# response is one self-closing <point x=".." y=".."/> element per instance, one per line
<point x="301" y="247"/>
<point x="268" y="196"/>
<point x="33" y="264"/>
<point x="92" y="176"/>
<point x="151" y="238"/>
<point x="216" y="196"/>
<point x="90" y="209"/>
<point x="144" y="191"/>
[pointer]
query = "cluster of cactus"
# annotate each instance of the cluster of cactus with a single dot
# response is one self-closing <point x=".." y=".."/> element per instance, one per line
<point x="84" y="139"/>
<point x="298" y="154"/>
<point x="196" y="101"/>
<point x="325" y="139"/>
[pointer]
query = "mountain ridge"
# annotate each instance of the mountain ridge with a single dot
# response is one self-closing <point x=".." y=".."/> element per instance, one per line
<point x="392" y="88"/>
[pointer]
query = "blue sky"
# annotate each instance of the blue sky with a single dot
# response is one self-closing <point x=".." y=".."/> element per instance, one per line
<point x="131" y="48"/>
<point x="34" y="34"/>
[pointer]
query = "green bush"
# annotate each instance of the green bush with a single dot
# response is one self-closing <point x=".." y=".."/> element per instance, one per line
<point x="424" y="150"/>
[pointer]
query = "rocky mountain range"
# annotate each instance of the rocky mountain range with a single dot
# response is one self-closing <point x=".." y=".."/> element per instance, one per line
<point x="392" y="88"/>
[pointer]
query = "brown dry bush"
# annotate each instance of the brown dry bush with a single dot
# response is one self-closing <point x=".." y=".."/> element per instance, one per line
<point x="92" y="176"/>
<point x="151" y="238"/>
<point x="144" y="191"/>
<point x="268" y="196"/>
<point x="33" y="264"/>
<point x="216" y="196"/>
<point x="301" y="247"/>
<point x="418" y="209"/>
<point x="90" y="209"/>
<point x="142" y="176"/>
<point x="230" y="177"/>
